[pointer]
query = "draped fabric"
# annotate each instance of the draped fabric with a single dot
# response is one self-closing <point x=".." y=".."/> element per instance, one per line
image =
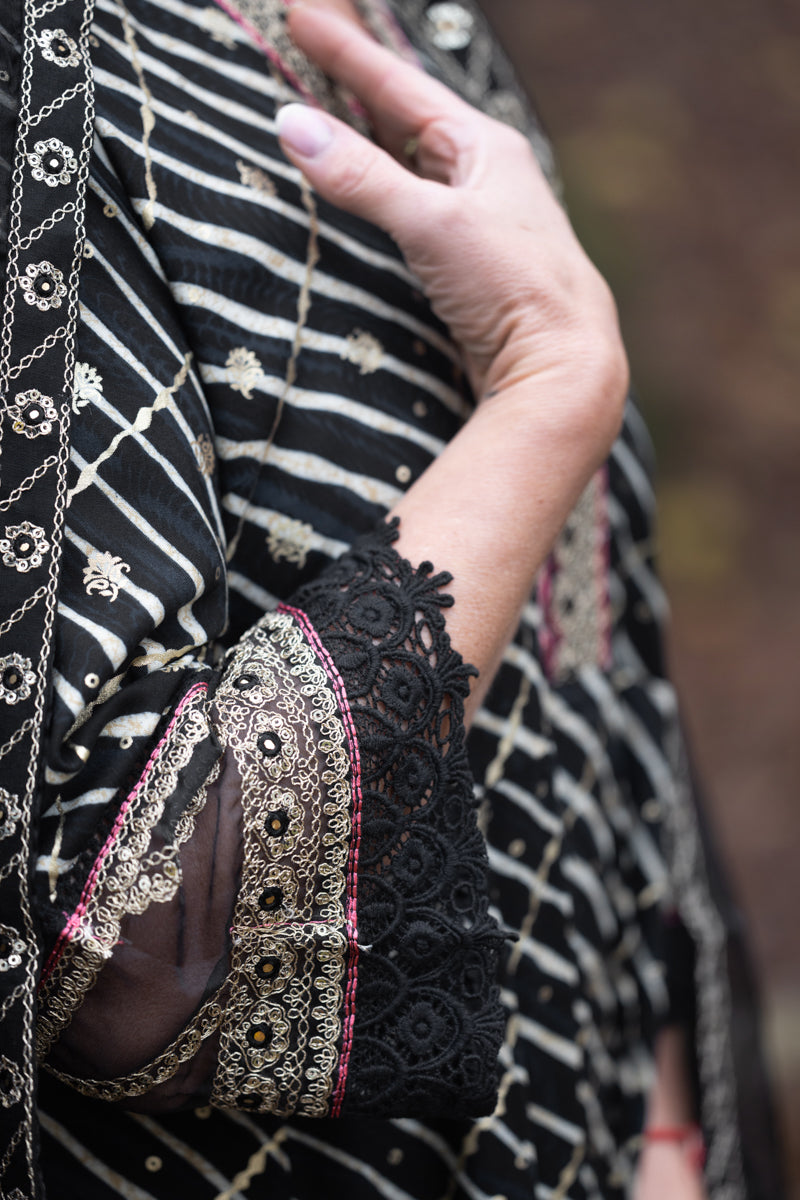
<point x="255" y="380"/>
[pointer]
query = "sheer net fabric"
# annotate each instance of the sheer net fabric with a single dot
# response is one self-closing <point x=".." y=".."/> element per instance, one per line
<point x="291" y="914"/>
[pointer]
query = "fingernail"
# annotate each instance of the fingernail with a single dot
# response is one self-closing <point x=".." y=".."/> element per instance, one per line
<point x="303" y="130"/>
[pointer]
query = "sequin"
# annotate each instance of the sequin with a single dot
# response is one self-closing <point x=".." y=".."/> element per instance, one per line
<point x="23" y="546"/>
<point x="451" y="26"/>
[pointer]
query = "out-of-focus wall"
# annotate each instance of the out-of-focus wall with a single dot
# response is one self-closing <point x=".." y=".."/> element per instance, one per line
<point x="677" y="127"/>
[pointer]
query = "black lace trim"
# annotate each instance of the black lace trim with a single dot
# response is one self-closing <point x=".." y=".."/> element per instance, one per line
<point x="428" y="1024"/>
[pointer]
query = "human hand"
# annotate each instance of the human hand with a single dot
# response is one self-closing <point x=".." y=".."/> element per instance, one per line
<point x="477" y="224"/>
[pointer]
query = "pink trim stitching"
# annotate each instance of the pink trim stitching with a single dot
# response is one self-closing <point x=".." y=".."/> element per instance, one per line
<point x="230" y="8"/>
<point x="69" y="930"/>
<point x="352" y="867"/>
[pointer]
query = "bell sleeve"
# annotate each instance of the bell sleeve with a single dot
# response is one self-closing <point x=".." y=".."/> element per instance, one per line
<point x="289" y="913"/>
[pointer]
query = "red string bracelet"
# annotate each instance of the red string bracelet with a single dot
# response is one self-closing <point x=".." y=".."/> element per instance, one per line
<point x="688" y="1137"/>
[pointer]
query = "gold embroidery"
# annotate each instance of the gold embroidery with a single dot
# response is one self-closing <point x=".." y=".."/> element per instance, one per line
<point x="142" y="422"/>
<point x="148" y="121"/>
<point x="130" y="877"/>
<point x="290" y="540"/>
<point x="203" y="448"/>
<point x="244" y="371"/>
<point x="255" y="178"/>
<point x="278" y="1014"/>
<point x="282" y="1025"/>
<point x="267" y="19"/>
<point x="303" y="306"/>
<point x="364" y="350"/>
<point x="577" y="607"/>
<point x="104" y="574"/>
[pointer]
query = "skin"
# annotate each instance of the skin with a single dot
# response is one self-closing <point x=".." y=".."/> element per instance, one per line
<point x="537" y="329"/>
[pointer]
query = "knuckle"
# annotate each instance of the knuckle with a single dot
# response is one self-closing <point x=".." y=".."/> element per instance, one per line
<point x="347" y="177"/>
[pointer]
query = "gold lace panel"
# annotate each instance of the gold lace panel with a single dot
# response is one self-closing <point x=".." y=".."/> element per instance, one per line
<point x="271" y="1034"/>
<point x="134" y="870"/>
<point x="281" y="1032"/>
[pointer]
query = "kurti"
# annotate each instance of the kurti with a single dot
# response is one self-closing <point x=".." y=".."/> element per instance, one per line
<point x="287" y="913"/>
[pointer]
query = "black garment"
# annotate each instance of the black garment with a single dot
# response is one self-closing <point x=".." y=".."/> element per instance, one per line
<point x="255" y="375"/>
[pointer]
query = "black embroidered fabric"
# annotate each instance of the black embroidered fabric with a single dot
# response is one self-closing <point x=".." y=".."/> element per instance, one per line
<point x="428" y="1023"/>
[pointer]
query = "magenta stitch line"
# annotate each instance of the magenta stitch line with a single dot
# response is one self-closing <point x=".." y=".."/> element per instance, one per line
<point x="352" y="930"/>
<point x="230" y="8"/>
<point x="349" y="1020"/>
<point x="68" y="931"/>
<point x="353" y="103"/>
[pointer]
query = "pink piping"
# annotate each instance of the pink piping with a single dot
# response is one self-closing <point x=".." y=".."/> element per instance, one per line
<point x="352" y="867"/>
<point x="72" y="925"/>
<point x="230" y="8"/>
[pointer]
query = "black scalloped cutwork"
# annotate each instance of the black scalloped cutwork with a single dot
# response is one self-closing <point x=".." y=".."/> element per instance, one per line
<point x="428" y="1022"/>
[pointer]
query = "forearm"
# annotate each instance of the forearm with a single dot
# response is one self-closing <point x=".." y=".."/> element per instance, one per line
<point x="489" y="509"/>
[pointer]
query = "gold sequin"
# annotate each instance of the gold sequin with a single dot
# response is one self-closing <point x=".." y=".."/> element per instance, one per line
<point x="517" y="848"/>
<point x="403" y="474"/>
<point x="153" y="1163"/>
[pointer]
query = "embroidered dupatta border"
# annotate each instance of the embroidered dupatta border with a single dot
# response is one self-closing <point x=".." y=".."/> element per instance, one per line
<point x="45" y="247"/>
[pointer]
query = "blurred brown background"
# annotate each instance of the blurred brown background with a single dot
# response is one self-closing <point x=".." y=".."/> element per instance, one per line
<point x="677" y="128"/>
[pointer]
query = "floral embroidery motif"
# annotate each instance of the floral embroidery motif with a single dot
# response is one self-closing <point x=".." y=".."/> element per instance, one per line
<point x="203" y="449"/>
<point x="23" y="546"/>
<point x="43" y="285"/>
<point x="52" y="162"/>
<point x="16" y="678"/>
<point x="87" y="386"/>
<point x="32" y="413"/>
<point x="289" y="539"/>
<point x="364" y="351"/>
<point x="244" y="371"/>
<point x="104" y="574"/>
<point x="58" y="48"/>
<point x="12" y="948"/>
<point x="255" y="178"/>
<point x="451" y="26"/>
<point x="10" y="812"/>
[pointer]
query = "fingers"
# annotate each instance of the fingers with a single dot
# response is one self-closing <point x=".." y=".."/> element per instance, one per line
<point x="350" y="171"/>
<point x="400" y="98"/>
